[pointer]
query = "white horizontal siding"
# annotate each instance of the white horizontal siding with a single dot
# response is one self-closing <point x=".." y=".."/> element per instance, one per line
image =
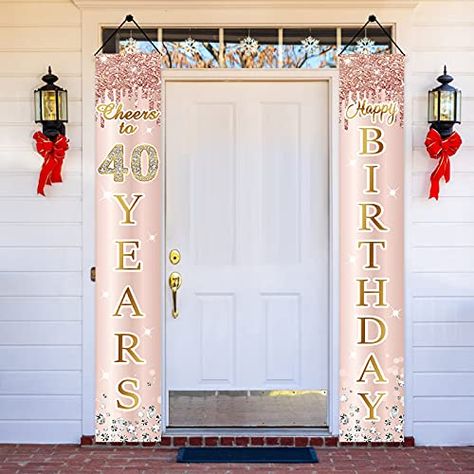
<point x="449" y="209"/>
<point x="461" y="184"/>
<point x="30" y="62"/>
<point x="14" y="87"/>
<point x="33" y="431"/>
<point x="430" y="334"/>
<point x="451" y="433"/>
<point x="40" y="407"/>
<point x="441" y="360"/>
<point x="39" y="234"/>
<point x="443" y="310"/>
<point x="461" y="162"/>
<point x="36" y="259"/>
<point x="21" y="111"/>
<point x="12" y="135"/>
<point x="441" y="247"/>
<point x="40" y="238"/>
<point x="40" y="333"/>
<point x="46" y="308"/>
<point x="25" y="159"/>
<point x="448" y="409"/>
<point x="40" y="209"/>
<point x="42" y="382"/>
<point x="40" y="284"/>
<point x="20" y="184"/>
<point x="19" y="39"/>
<point x="60" y="358"/>
<point x="455" y="384"/>
<point x="39" y="14"/>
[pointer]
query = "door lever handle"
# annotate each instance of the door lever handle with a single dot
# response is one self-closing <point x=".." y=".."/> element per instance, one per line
<point x="174" y="282"/>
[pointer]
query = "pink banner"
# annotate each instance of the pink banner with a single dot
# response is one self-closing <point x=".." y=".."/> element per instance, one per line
<point x="128" y="252"/>
<point x="371" y="248"/>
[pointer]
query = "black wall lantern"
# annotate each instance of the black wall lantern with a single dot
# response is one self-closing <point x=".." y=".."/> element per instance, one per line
<point x="51" y="108"/>
<point x="444" y="106"/>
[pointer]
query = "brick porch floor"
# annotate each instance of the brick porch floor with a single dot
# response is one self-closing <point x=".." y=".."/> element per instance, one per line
<point x="71" y="459"/>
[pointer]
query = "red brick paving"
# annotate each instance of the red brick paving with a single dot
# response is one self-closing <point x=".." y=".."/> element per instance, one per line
<point x="135" y="460"/>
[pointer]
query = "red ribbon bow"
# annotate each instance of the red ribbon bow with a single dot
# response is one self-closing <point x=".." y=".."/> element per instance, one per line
<point x="53" y="153"/>
<point x="442" y="150"/>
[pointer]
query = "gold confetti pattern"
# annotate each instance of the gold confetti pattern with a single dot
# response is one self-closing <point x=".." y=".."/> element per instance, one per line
<point x="128" y="76"/>
<point x="374" y="77"/>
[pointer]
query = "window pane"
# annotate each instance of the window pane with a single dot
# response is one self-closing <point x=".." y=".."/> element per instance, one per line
<point x="372" y="40"/>
<point x="121" y="40"/>
<point x="251" y="48"/>
<point x="309" y="48"/>
<point x="190" y="48"/>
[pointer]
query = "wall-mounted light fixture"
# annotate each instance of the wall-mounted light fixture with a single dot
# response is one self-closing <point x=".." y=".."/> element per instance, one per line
<point x="51" y="144"/>
<point x="51" y="107"/>
<point x="444" y="106"/>
<point x="442" y="142"/>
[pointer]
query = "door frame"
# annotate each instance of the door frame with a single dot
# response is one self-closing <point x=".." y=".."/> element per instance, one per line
<point x="277" y="75"/>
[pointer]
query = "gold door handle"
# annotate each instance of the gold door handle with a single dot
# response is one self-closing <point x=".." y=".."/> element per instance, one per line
<point x="174" y="282"/>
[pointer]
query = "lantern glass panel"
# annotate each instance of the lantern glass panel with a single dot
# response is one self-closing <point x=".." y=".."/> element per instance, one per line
<point x="37" y="106"/>
<point x="458" y="106"/>
<point x="62" y="101"/>
<point x="49" y="105"/>
<point x="433" y="106"/>
<point x="447" y="106"/>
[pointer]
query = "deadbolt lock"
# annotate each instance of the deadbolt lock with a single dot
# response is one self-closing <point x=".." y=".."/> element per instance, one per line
<point x="175" y="256"/>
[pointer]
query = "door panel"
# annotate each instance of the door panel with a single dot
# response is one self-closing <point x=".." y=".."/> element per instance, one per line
<point x="247" y="206"/>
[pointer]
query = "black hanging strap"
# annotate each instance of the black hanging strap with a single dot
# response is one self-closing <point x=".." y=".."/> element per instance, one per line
<point x="372" y="19"/>
<point x="128" y="18"/>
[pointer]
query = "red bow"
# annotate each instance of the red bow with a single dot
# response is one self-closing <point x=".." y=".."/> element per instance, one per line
<point x="53" y="153"/>
<point x="442" y="150"/>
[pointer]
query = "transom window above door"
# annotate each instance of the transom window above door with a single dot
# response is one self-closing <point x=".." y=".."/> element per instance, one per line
<point x="241" y="47"/>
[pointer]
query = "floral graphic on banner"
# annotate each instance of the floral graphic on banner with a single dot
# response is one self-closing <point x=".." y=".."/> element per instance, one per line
<point x="128" y="203"/>
<point x="371" y="250"/>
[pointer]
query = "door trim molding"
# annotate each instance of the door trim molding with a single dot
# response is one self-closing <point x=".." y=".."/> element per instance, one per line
<point x="330" y="76"/>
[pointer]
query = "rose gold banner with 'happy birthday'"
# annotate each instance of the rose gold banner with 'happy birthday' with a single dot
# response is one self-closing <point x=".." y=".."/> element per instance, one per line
<point x="128" y="206"/>
<point x="371" y="248"/>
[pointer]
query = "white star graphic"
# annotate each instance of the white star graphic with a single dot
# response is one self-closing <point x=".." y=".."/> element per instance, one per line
<point x="105" y="294"/>
<point x="105" y="375"/>
<point x="352" y="259"/>
<point x="152" y="237"/>
<point x="396" y="313"/>
<point x="392" y="192"/>
<point x="106" y="195"/>
<point x="149" y="129"/>
<point x="147" y="331"/>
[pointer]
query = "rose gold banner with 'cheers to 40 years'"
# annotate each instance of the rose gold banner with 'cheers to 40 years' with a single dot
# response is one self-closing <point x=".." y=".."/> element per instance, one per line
<point x="128" y="300"/>
<point x="371" y="249"/>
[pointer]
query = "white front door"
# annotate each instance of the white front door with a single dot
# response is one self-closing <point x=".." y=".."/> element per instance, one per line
<point x="247" y="207"/>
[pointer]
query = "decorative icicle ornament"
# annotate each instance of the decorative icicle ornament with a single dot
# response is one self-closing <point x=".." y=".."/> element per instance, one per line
<point x="365" y="46"/>
<point x="310" y="45"/>
<point x="249" y="46"/>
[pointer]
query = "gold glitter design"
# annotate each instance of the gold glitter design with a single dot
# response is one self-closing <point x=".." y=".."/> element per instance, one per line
<point x="113" y="164"/>
<point x="153" y="162"/>
<point x="376" y="77"/>
<point x="128" y="76"/>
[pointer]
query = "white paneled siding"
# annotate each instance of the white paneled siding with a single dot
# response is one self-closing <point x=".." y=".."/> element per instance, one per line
<point x="441" y="237"/>
<point x="40" y="238"/>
